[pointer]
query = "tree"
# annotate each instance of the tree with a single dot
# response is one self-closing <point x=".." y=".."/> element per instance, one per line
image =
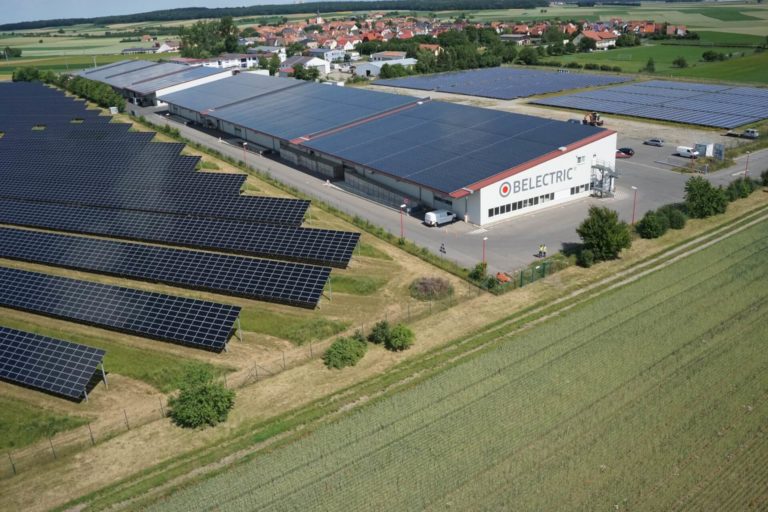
<point x="201" y="401"/>
<point x="345" y="352"/>
<point x="229" y="34"/>
<point x="650" y="66"/>
<point x="652" y="225"/>
<point x="680" y="62"/>
<point x="702" y="199"/>
<point x="586" y="44"/>
<point x="400" y="338"/>
<point x="603" y="234"/>
<point x="528" y="56"/>
<point x="274" y="64"/>
<point x="570" y="47"/>
<point x="263" y="62"/>
<point x="12" y="53"/>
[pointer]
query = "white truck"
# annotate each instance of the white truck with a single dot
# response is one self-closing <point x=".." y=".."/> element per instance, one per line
<point x="686" y="152"/>
<point x="750" y="133"/>
<point x="438" y="217"/>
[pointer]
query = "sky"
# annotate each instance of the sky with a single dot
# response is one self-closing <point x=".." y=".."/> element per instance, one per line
<point x="31" y="10"/>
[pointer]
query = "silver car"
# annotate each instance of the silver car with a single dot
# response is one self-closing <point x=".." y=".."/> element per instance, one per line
<point x="655" y="142"/>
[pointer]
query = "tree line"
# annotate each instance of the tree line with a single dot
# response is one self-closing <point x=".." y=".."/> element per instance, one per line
<point x="196" y="13"/>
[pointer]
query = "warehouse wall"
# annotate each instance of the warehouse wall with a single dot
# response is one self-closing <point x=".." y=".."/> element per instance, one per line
<point x="191" y="83"/>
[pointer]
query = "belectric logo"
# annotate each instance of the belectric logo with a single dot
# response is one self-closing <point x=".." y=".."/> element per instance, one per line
<point x="505" y="189"/>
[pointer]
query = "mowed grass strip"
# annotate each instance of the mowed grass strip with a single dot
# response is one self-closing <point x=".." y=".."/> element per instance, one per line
<point x="22" y="424"/>
<point x="355" y="285"/>
<point x="629" y="401"/>
<point x="299" y="329"/>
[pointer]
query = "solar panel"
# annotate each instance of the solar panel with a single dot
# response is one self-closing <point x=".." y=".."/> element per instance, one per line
<point x="503" y="83"/>
<point x="315" y="246"/>
<point x="192" y="322"/>
<point x="48" y="364"/>
<point x="720" y="106"/>
<point x="275" y="281"/>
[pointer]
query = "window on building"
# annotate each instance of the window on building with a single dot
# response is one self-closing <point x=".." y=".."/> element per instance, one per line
<point x="580" y="159"/>
<point x="519" y="205"/>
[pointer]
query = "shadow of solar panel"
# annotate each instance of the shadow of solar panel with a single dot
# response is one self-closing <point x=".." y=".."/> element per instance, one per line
<point x="47" y="364"/>
<point x="196" y="323"/>
<point x="274" y="281"/>
<point x="315" y="246"/>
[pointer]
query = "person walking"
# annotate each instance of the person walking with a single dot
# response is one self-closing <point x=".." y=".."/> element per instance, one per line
<point x="543" y="250"/>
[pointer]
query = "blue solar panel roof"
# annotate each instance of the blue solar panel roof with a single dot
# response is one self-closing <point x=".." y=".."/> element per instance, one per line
<point x="447" y="147"/>
<point x="721" y="106"/>
<point x="503" y="83"/>
<point x="230" y="90"/>
<point x="131" y="73"/>
<point x="309" y="109"/>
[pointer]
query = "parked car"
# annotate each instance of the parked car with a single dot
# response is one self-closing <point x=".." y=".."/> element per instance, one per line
<point x="659" y="143"/>
<point x="686" y="152"/>
<point x="624" y="152"/>
<point x="438" y="217"/>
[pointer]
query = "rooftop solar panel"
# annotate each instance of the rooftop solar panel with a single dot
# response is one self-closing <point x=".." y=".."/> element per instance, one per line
<point x="48" y="364"/>
<point x="447" y="147"/>
<point x="720" y="106"/>
<point x="192" y="322"/>
<point x="274" y="281"/>
<point x="503" y="83"/>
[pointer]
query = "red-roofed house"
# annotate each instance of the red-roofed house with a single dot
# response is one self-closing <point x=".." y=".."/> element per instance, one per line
<point x="603" y="40"/>
<point x="676" y="30"/>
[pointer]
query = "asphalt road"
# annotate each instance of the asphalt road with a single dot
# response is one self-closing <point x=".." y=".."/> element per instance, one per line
<point x="510" y="244"/>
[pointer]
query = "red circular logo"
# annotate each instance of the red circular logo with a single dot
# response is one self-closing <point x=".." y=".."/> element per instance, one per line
<point x="505" y="189"/>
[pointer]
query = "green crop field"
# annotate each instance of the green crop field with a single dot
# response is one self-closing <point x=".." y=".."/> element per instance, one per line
<point x="652" y="396"/>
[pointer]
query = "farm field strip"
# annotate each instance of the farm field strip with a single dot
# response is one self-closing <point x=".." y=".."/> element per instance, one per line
<point x="500" y="402"/>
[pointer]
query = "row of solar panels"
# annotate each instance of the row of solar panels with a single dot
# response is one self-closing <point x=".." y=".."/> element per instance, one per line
<point x="719" y="106"/>
<point x="503" y="83"/>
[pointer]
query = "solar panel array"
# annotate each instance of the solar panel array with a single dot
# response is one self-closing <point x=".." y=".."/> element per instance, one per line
<point x="720" y="106"/>
<point x="48" y="364"/>
<point x="192" y="322"/>
<point x="447" y="147"/>
<point x="274" y="281"/>
<point x="503" y="83"/>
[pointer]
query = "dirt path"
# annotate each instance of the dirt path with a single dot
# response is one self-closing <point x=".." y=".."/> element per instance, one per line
<point x="153" y="443"/>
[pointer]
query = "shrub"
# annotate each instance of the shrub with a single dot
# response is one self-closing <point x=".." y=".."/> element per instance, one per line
<point x="491" y="282"/>
<point x="345" y="352"/>
<point x="479" y="271"/>
<point x="430" y="288"/>
<point x="617" y="69"/>
<point x="604" y="67"/>
<point x="764" y="177"/>
<point x="675" y="216"/>
<point x="200" y="401"/>
<point x="590" y="65"/>
<point x="603" y="233"/>
<point x="585" y="258"/>
<point x="574" y="65"/>
<point x="380" y="332"/>
<point x="652" y="225"/>
<point x="739" y="188"/>
<point x="400" y="338"/>
<point x="702" y="199"/>
<point x="680" y="62"/>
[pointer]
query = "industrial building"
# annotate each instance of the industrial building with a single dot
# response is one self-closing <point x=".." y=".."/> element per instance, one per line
<point x="141" y="82"/>
<point x="483" y="164"/>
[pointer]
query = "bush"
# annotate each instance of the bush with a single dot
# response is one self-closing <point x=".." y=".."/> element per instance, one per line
<point x="585" y="258"/>
<point x="430" y="288"/>
<point x="590" y="65"/>
<point x="491" y="282"/>
<point x="380" y="333"/>
<point x="400" y="338"/>
<point x="652" y="225"/>
<point x="603" y="233"/>
<point x="675" y="216"/>
<point x="200" y="401"/>
<point x="702" y="199"/>
<point x="764" y="177"/>
<point x="479" y="271"/>
<point x="345" y="352"/>
<point x="604" y="67"/>
<point x="574" y="65"/>
<point x="740" y="188"/>
<point x="680" y="62"/>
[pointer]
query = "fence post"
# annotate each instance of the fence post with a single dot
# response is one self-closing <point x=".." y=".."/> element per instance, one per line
<point x="50" y="441"/>
<point x="13" y="464"/>
<point x="90" y="433"/>
<point x="127" y="425"/>
<point x="283" y="359"/>
<point x="162" y="409"/>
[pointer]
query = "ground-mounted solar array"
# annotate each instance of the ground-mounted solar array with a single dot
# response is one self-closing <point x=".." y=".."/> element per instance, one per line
<point x="449" y="147"/>
<point x="275" y="281"/>
<point x="47" y="364"/>
<point x="197" y="323"/>
<point x="503" y="83"/>
<point x="720" y="106"/>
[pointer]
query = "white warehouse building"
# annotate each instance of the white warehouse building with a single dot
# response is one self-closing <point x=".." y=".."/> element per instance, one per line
<point x="485" y="165"/>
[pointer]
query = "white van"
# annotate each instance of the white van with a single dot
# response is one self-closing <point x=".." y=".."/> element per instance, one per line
<point x="687" y="152"/>
<point x="438" y="217"/>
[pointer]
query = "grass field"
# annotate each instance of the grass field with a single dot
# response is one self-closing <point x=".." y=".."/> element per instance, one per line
<point x="649" y="397"/>
<point x="749" y="68"/>
<point x="62" y="63"/>
<point x="22" y="424"/>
